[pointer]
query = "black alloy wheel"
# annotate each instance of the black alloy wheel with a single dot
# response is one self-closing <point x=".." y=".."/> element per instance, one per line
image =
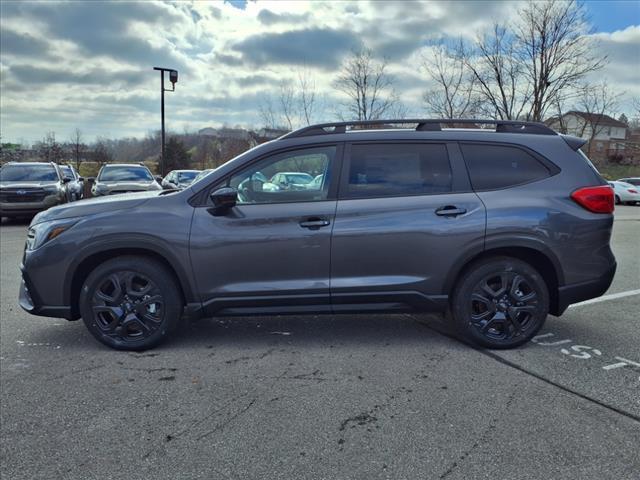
<point x="500" y="302"/>
<point x="127" y="306"/>
<point x="130" y="303"/>
<point x="503" y="306"/>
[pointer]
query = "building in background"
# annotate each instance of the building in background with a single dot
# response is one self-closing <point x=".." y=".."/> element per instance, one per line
<point x="607" y="138"/>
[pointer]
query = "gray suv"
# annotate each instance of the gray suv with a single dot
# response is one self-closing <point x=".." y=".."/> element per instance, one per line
<point x="27" y="188"/>
<point x="123" y="178"/>
<point x="498" y="227"/>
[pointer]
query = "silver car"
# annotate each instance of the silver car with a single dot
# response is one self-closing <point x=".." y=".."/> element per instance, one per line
<point x="179" y="179"/>
<point x="123" y="178"/>
<point x="27" y="188"/>
<point x="75" y="184"/>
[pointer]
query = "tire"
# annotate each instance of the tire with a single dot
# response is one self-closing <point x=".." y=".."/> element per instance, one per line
<point x="618" y="202"/>
<point x="131" y="303"/>
<point x="500" y="302"/>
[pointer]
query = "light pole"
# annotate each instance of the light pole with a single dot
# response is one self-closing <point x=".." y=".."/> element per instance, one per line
<point x="173" y="78"/>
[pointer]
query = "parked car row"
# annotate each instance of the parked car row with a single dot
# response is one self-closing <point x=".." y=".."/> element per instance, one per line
<point x="27" y="188"/>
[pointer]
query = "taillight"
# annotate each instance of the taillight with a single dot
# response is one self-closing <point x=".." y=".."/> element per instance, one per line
<point x="632" y="191"/>
<point x="595" y="199"/>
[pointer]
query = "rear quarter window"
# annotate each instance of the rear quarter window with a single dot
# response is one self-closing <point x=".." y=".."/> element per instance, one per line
<point x="492" y="167"/>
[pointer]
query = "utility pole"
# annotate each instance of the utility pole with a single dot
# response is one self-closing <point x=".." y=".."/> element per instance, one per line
<point x="173" y="78"/>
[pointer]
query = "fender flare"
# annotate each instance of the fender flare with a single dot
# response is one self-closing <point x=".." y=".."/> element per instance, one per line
<point x="134" y="242"/>
<point x="503" y="243"/>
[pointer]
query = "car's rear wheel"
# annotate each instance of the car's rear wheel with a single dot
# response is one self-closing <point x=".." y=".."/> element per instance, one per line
<point x="130" y="303"/>
<point x="500" y="302"/>
<point x="618" y="202"/>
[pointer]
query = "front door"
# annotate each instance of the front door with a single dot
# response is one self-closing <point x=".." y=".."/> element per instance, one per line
<point x="271" y="252"/>
<point x="406" y="214"/>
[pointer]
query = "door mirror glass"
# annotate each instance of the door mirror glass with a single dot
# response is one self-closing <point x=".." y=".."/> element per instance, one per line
<point x="223" y="199"/>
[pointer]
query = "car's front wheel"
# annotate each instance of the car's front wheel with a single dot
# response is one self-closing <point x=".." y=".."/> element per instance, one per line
<point x="500" y="302"/>
<point x="130" y="303"/>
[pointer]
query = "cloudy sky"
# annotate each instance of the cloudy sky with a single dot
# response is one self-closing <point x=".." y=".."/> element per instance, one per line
<point x="89" y="64"/>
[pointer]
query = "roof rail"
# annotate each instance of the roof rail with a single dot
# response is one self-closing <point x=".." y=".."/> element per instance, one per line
<point x="423" y="125"/>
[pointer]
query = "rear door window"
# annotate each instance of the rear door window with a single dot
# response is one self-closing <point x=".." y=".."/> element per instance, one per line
<point x="492" y="167"/>
<point x="397" y="169"/>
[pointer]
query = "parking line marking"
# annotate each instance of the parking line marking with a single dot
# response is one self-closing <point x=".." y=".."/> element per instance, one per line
<point x="604" y="298"/>
<point x="630" y="362"/>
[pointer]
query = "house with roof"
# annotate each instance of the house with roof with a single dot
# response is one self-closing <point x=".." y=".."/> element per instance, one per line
<point x="606" y="137"/>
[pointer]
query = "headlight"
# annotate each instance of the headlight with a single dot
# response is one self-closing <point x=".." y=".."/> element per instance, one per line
<point x="41" y="233"/>
<point x="99" y="188"/>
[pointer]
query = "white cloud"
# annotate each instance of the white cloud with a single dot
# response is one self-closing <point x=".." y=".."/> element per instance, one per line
<point x="90" y="65"/>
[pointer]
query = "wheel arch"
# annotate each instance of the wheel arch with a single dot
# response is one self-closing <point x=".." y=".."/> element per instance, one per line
<point x="539" y="258"/>
<point x="84" y="266"/>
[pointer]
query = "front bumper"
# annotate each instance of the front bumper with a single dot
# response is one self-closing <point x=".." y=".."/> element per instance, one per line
<point x="16" y="209"/>
<point x="579" y="292"/>
<point x="30" y="302"/>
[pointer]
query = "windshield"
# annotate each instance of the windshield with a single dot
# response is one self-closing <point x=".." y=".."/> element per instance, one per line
<point x="125" y="174"/>
<point x="186" y="177"/>
<point x="299" y="178"/>
<point x="203" y="174"/>
<point x="28" y="173"/>
<point x="67" y="171"/>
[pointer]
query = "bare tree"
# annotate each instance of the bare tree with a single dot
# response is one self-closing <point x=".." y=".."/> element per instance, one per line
<point x="595" y="101"/>
<point x="453" y="96"/>
<point x="367" y="86"/>
<point x="286" y="101"/>
<point x="554" y="50"/>
<point x="635" y="113"/>
<point x="268" y="113"/>
<point x="78" y="148"/>
<point x="497" y="73"/>
<point x="308" y="96"/>
<point x="101" y="152"/>
<point x="295" y="105"/>
<point x="49" y="150"/>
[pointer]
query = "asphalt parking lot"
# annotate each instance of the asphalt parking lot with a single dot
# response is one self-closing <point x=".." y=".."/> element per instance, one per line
<point x="362" y="396"/>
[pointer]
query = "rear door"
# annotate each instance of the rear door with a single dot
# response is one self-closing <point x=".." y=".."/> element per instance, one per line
<point x="406" y="215"/>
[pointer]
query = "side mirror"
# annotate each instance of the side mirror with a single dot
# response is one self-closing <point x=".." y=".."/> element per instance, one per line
<point x="81" y="179"/>
<point x="223" y="199"/>
<point x="66" y="180"/>
<point x="91" y="179"/>
<point x="158" y="178"/>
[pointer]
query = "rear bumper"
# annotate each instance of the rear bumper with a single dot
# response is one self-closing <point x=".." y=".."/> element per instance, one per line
<point x="579" y="292"/>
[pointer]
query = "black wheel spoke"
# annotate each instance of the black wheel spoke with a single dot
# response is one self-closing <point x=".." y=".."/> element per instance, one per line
<point x="128" y="306"/>
<point x="517" y="326"/>
<point x="503" y="305"/>
<point x="491" y="323"/>
<point x="530" y="309"/>
<point x="114" y="286"/>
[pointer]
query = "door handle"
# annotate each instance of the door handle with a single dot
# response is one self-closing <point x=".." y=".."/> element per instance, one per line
<point x="314" y="223"/>
<point x="450" y="211"/>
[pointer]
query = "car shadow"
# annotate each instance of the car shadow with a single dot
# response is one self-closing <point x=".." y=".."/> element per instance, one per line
<point x="248" y="332"/>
